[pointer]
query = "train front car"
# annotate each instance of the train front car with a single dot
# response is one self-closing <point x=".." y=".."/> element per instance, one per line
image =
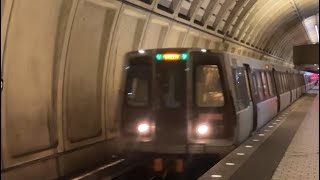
<point x="177" y="101"/>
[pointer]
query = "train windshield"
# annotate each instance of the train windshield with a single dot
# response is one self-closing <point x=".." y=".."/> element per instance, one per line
<point x="208" y="86"/>
<point x="138" y="83"/>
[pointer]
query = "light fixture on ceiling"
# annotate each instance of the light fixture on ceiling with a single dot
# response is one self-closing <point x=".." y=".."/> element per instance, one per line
<point x="311" y="27"/>
<point x="315" y="26"/>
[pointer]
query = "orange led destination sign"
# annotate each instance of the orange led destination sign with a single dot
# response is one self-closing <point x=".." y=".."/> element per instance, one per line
<point x="171" y="57"/>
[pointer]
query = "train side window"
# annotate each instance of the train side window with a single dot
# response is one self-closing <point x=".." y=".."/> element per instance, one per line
<point x="265" y="85"/>
<point x="293" y="78"/>
<point x="300" y="80"/>
<point x="137" y="90"/>
<point x="208" y="86"/>
<point x="292" y="82"/>
<point x="296" y="79"/>
<point x="242" y="97"/>
<point x="282" y="83"/>
<point x="285" y="78"/>
<point x="278" y="82"/>
<point x="271" y="84"/>
<point x="255" y="86"/>
<point x="260" y="86"/>
<point x="288" y="81"/>
<point x="285" y="82"/>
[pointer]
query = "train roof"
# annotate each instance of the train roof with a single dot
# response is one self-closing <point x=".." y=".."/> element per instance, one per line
<point x="271" y="63"/>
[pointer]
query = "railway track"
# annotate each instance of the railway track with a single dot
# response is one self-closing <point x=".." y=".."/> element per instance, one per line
<point x="140" y="168"/>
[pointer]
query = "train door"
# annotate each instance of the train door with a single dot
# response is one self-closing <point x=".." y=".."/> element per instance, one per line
<point x="251" y="81"/>
<point x="170" y="92"/>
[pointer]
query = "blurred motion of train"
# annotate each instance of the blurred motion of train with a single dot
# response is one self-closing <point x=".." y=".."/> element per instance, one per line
<point x="180" y="101"/>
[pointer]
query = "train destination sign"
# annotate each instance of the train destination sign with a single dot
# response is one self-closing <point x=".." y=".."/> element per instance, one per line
<point x="172" y="57"/>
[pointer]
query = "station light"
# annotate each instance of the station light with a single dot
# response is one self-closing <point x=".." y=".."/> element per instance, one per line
<point x="230" y="164"/>
<point x="216" y="176"/>
<point x="317" y="30"/>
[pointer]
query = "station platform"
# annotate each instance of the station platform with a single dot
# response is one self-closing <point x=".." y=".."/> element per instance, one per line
<point x="287" y="148"/>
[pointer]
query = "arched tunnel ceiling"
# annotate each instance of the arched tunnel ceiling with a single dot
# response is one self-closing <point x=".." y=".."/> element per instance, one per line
<point x="66" y="59"/>
<point x="271" y="26"/>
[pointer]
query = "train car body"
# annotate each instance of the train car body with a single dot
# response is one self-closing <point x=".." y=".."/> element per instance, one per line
<point x="180" y="101"/>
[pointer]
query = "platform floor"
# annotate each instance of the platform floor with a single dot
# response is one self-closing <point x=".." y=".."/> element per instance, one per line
<point x="286" y="148"/>
<point x="301" y="161"/>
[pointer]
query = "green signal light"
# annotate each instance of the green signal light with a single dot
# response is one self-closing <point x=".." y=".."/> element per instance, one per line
<point x="159" y="57"/>
<point x="184" y="56"/>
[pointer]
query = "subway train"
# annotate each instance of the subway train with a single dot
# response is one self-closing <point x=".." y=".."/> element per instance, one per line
<point x="199" y="101"/>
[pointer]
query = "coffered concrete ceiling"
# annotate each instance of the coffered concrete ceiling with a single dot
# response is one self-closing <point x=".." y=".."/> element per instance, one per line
<point x="272" y="26"/>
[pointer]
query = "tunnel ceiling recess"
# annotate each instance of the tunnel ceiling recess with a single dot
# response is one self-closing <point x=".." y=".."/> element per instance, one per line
<point x="271" y="26"/>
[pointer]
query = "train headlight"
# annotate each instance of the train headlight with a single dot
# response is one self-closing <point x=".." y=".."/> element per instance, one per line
<point x="143" y="128"/>
<point x="202" y="129"/>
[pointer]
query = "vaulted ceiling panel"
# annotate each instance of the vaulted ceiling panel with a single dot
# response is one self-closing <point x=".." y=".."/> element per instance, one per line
<point x="271" y="26"/>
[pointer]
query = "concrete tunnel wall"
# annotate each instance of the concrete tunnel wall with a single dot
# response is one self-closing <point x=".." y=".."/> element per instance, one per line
<point x="61" y="63"/>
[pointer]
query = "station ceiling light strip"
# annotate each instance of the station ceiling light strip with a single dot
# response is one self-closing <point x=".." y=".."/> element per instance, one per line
<point x="317" y="30"/>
